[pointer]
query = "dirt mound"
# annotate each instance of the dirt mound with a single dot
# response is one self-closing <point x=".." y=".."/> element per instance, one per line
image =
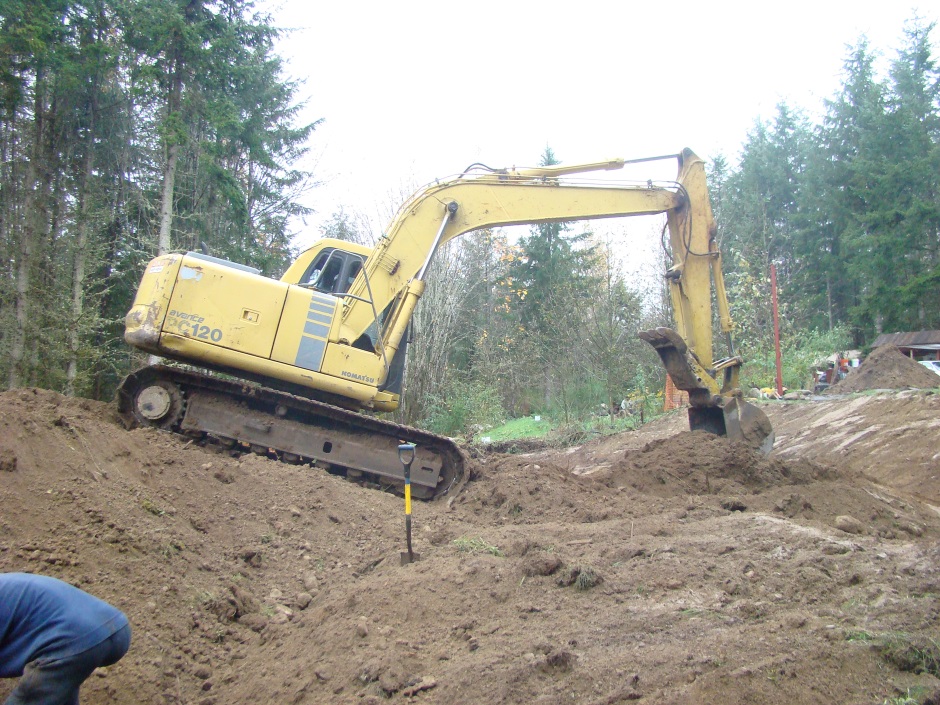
<point x="657" y="565"/>
<point x="709" y="464"/>
<point x="890" y="438"/>
<point x="886" y="368"/>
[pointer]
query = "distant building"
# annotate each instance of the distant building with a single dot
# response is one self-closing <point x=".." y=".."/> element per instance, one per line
<point x="922" y="345"/>
<point x="674" y="398"/>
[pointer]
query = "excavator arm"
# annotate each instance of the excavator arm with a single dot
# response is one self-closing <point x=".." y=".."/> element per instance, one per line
<point x="395" y="273"/>
<point x="392" y="279"/>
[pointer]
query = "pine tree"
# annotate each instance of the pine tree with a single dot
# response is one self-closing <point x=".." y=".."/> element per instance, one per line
<point x="85" y="130"/>
<point x="554" y="272"/>
<point x="908" y="270"/>
<point x="758" y="218"/>
<point x="834" y="238"/>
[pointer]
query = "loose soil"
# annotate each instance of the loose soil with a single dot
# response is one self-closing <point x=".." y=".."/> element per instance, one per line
<point x="886" y="368"/>
<point x="659" y="565"/>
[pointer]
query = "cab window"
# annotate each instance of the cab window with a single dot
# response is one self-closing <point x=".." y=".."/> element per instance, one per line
<point x="332" y="271"/>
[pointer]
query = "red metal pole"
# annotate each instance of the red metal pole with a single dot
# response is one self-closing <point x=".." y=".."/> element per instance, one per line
<point x="773" y="296"/>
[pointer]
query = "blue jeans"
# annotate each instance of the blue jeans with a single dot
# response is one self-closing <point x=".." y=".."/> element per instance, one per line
<point x="55" y="681"/>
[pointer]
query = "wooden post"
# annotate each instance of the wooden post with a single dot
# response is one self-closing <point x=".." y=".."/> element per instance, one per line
<point x="773" y="297"/>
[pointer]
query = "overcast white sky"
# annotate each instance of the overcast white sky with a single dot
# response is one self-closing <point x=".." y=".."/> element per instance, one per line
<point x="413" y="90"/>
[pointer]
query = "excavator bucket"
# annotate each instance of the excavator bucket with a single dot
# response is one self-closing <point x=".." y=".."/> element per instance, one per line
<point x="736" y="419"/>
<point x="729" y="416"/>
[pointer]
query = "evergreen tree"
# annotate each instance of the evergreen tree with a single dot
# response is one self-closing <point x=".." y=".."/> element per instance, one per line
<point x="85" y="130"/>
<point x="554" y="280"/>
<point x="758" y="216"/>
<point x="852" y="138"/>
<point x="848" y="212"/>
<point x="344" y="226"/>
<point x="905" y="265"/>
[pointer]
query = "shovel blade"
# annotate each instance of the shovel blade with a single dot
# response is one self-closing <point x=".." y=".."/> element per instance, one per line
<point x="407" y="557"/>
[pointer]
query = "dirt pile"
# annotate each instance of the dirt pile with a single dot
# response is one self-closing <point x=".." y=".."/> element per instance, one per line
<point x="889" y="438"/>
<point x="886" y="368"/>
<point x="659" y="565"/>
<point x="710" y="464"/>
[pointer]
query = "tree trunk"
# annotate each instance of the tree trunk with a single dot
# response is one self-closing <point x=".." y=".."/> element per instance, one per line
<point x="79" y="255"/>
<point x="31" y="235"/>
<point x="166" y="202"/>
<point x="174" y="101"/>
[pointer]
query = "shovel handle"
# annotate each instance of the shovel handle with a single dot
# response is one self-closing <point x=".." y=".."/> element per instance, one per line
<point x="406" y="454"/>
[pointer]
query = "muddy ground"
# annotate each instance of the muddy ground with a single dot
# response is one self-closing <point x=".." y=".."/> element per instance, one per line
<point x="658" y="565"/>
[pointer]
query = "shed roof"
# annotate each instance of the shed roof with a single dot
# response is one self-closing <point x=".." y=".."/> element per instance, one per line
<point x="919" y="340"/>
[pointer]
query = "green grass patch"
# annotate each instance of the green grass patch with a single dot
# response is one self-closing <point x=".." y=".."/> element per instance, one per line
<point x="699" y="613"/>
<point x="911" y="697"/>
<point x="581" y="577"/>
<point x="476" y="545"/>
<point x="859" y="635"/>
<point x="558" y="434"/>
<point x="172" y="548"/>
<point x="911" y="654"/>
<point x="148" y="506"/>
<point x="906" y="652"/>
<point x="514" y="429"/>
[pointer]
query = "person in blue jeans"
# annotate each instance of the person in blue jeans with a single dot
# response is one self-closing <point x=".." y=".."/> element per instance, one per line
<point x="53" y="636"/>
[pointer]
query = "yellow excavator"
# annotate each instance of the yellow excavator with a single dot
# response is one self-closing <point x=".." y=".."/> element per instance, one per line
<point x="301" y="358"/>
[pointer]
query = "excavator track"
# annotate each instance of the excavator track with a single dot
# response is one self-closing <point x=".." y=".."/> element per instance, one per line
<point x="237" y="414"/>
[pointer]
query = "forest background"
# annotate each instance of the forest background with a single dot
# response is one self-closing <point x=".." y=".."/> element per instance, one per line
<point x="130" y="128"/>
